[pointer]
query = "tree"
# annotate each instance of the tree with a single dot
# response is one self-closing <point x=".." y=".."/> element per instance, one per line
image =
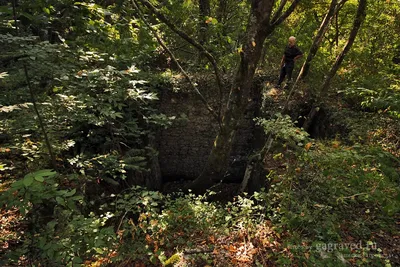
<point x="333" y="8"/>
<point x="262" y="22"/>
<point x="358" y="19"/>
<point x="260" y="25"/>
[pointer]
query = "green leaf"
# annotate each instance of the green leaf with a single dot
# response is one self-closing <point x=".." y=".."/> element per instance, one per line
<point x="5" y="9"/>
<point x="98" y="250"/>
<point x="45" y="172"/>
<point x="39" y="178"/>
<point x="28" y="16"/>
<point x="57" y="89"/>
<point x="46" y="10"/>
<point x="70" y="193"/>
<point x="50" y="253"/>
<point x="60" y="200"/>
<point x="17" y="184"/>
<point x="187" y="3"/>
<point x="71" y="205"/>
<point x="77" y="260"/>
<point x="28" y="180"/>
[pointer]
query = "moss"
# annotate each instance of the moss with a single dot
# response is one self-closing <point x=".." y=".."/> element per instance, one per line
<point x="172" y="260"/>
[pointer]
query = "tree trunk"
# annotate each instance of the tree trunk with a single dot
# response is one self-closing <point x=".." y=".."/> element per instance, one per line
<point x="258" y="28"/>
<point x="221" y="11"/>
<point x="317" y="41"/>
<point x="359" y="18"/>
<point x="153" y="179"/>
<point x="257" y="31"/>
<point x="337" y="29"/>
<point x="204" y="12"/>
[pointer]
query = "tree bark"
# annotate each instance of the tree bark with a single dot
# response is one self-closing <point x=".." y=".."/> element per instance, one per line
<point x="278" y="12"/>
<point x="278" y="19"/>
<point x="359" y="18"/>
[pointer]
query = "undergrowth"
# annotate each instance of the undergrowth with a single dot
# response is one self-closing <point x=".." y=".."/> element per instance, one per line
<point x="325" y="209"/>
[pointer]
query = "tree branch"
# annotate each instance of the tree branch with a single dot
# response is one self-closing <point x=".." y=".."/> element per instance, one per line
<point x="341" y="4"/>
<point x="28" y="81"/>
<point x="41" y="124"/>
<point x="14" y="5"/>
<point x="286" y="14"/>
<point x="279" y="11"/>
<point x="167" y="50"/>
<point x="191" y="41"/>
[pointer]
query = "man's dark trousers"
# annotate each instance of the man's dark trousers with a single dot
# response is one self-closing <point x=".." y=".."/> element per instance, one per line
<point x="287" y="69"/>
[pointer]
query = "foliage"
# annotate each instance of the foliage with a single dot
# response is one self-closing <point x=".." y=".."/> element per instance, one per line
<point x="59" y="233"/>
<point x="94" y="109"/>
<point x="97" y="74"/>
<point x="377" y="99"/>
<point x="156" y="225"/>
<point x="320" y="203"/>
<point x="284" y="128"/>
<point x="100" y="115"/>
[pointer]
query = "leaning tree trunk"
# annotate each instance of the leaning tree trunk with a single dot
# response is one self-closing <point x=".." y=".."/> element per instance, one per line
<point x="359" y="18"/>
<point x="334" y="7"/>
<point x="317" y="41"/>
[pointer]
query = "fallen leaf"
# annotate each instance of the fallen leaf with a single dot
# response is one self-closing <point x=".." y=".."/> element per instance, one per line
<point x="212" y="239"/>
<point x="253" y="251"/>
<point x="308" y="146"/>
<point x="232" y="248"/>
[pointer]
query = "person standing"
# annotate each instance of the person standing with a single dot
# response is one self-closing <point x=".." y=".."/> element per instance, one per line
<point x="291" y="54"/>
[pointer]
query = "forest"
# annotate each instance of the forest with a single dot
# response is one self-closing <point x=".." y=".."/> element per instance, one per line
<point x="200" y="133"/>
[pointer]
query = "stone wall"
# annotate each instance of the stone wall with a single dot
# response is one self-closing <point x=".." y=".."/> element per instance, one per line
<point x="185" y="146"/>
